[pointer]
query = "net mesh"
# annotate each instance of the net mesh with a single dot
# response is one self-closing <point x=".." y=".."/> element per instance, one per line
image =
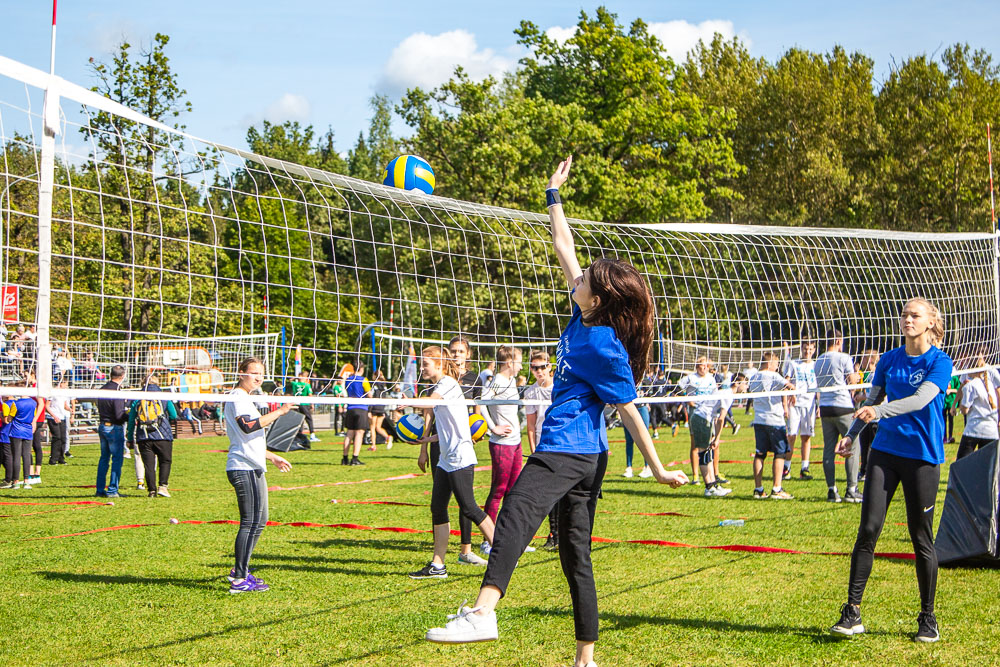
<point x="161" y="239"/>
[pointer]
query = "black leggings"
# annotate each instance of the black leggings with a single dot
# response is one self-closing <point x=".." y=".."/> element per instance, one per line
<point x="7" y="455"/>
<point x="970" y="444"/>
<point x="949" y="423"/>
<point x="865" y="440"/>
<point x="657" y="415"/>
<point x="21" y="448"/>
<point x="458" y="482"/>
<point x="574" y="482"/>
<point x="307" y="412"/>
<point x="151" y="451"/>
<point x="251" y="497"/>
<point x="464" y="524"/>
<point x="36" y="444"/>
<point x="920" y="486"/>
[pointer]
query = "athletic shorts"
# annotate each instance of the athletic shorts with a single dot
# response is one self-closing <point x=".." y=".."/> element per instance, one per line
<point x="701" y="431"/>
<point x="356" y="419"/>
<point x="801" y="421"/>
<point x="771" y="439"/>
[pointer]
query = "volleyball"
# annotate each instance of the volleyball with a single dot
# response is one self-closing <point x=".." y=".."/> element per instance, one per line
<point x="409" y="172"/>
<point x="410" y="428"/>
<point x="477" y="426"/>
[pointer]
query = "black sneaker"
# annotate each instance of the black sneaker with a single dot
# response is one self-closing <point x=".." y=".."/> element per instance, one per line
<point x="355" y="461"/>
<point x="721" y="480"/>
<point x="344" y="461"/>
<point x="805" y="475"/>
<point x="927" y="629"/>
<point x="551" y="544"/>
<point x="850" y="622"/>
<point x="430" y="571"/>
<point x="832" y="496"/>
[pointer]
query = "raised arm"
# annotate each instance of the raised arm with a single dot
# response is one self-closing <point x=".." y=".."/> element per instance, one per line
<point x="562" y="237"/>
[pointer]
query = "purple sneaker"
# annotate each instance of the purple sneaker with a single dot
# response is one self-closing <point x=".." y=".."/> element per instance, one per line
<point x="248" y="585"/>
<point x="232" y="574"/>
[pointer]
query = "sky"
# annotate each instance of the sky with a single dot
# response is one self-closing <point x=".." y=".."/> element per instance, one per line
<point x="319" y="63"/>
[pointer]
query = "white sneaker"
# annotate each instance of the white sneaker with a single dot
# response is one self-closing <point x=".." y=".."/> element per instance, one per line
<point x="646" y="473"/>
<point x="471" y="559"/>
<point x="162" y="491"/>
<point x="128" y="454"/>
<point x="464" y="627"/>
<point x="717" y="492"/>
<point x="313" y="438"/>
<point x="485" y="548"/>
<point x="529" y="549"/>
<point x="628" y="473"/>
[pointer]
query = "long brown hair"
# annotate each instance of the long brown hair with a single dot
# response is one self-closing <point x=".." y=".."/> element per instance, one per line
<point x="626" y="305"/>
<point x="443" y="355"/>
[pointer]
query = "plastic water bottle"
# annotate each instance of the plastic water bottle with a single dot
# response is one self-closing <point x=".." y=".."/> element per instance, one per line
<point x="731" y="522"/>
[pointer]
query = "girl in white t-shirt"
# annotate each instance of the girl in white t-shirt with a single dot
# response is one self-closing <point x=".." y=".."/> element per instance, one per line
<point x="505" y="427"/>
<point x="979" y="405"/>
<point x="541" y="390"/>
<point x="245" y="467"/>
<point x="456" y="465"/>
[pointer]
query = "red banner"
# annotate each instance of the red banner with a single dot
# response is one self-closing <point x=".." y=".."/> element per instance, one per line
<point x="10" y="303"/>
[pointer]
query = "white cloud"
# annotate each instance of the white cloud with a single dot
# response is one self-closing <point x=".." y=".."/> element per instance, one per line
<point x="560" y="34"/>
<point x="426" y="61"/>
<point x="680" y="37"/>
<point x="287" y="107"/>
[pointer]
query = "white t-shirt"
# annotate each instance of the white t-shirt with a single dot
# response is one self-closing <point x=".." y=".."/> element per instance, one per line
<point x="721" y="405"/>
<point x="535" y="393"/>
<point x="700" y="385"/>
<point x="246" y="450"/>
<point x="452" y="424"/>
<point x="832" y="370"/>
<point x="803" y="374"/>
<point x="981" y="421"/>
<point x="59" y="408"/>
<point x="768" y="409"/>
<point x="503" y="387"/>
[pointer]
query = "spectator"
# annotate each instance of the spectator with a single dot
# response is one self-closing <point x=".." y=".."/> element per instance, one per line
<point x="149" y="426"/>
<point x="58" y="419"/>
<point x="112" y="417"/>
<point x="89" y="369"/>
<point x="6" y="448"/>
<point x="338" y="391"/>
<point x="377" y="412"/>
<point x="300" y="386"/>
<point x="188" y="414"/>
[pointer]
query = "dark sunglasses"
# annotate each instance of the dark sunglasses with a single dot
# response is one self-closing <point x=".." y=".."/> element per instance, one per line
<point x="542" y="367"/>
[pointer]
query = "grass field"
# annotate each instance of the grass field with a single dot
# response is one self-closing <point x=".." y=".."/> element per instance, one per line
<point x="158" y="594"/>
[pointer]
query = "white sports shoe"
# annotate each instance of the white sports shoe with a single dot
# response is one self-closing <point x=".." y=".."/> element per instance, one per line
<point x="464" y="627"/>
<point x="717" y="492"/>
<point x="471" y="559"/>
<point x="485" y="548"/>
<point x="529" y="549"/>
<point x="627" y="473"/>
<point x="646" y="472"/>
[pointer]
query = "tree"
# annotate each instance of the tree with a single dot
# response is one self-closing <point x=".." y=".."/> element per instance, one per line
<point x="370" y="155"/>
<point x="647" y="150"/>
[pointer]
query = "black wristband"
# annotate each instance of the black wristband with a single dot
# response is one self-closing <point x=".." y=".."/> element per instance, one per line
<point x="552" y="197"/>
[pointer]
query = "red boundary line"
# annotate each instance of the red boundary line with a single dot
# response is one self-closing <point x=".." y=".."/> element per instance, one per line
<point x="397" y="529"/>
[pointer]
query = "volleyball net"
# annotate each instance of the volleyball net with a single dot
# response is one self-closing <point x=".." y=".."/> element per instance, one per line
<point x="164" y="252"/>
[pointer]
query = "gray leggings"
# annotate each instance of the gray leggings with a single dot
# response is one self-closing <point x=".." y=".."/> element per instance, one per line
<point x="251" y="497"/>
<point x="835" y="428"/>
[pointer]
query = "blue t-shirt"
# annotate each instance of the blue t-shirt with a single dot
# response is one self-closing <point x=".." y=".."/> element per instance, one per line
<point x="21" y="426"/>
<point x="920" y="434"/>
<point x="357" y="386"/>
<point x="592" y="370"/>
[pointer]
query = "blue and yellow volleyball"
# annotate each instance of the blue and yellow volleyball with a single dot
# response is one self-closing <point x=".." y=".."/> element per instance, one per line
<point x="477" y="426"/>
<point x="409" y="172"/>
<point x="410" y="428"/>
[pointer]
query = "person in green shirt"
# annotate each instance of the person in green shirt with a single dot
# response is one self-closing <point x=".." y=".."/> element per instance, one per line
<point x="300" y="386"/>
<point x="949" y="409"/>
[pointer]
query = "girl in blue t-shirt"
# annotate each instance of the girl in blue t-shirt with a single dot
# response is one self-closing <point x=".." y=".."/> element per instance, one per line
<point x="600" y="356"/>
<point x="908" y="449"/>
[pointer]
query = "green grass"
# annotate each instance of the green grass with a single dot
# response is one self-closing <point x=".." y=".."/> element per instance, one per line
<point x="157" y="594"/>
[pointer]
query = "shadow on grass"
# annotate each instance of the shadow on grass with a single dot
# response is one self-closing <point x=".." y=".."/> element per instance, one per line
<point x="255" y="625"/>
<point x="204" y="584"/>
